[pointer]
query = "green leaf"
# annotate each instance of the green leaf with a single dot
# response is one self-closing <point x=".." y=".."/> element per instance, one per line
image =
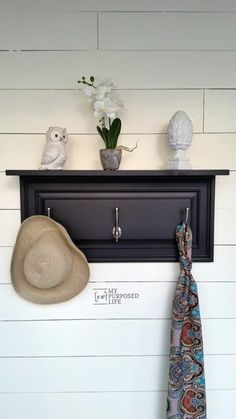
<point x="105" y="133"/>
<point x="102" y="135"/>
<point x="114" y="133"/>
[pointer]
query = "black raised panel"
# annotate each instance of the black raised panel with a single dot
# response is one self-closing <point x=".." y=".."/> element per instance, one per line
<point x="147" y="219"/>
<point x="151" y="205"/>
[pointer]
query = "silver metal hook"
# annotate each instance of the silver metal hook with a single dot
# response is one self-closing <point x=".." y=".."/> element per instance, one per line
<point x="187" y="215"/>
<point x="116" y="231"/>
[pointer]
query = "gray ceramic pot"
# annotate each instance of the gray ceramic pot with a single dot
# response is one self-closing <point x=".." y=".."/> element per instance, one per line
<point x="110" y="158"/>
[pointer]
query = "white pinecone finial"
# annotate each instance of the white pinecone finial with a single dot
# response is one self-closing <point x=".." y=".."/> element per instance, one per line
<point x="180" y="133"/>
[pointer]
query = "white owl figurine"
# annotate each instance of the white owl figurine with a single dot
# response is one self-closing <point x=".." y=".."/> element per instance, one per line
<point x="180" y="132"/>
<point x="54" y="153"/>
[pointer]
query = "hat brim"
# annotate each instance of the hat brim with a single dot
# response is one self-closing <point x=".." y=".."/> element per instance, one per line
<point x="30" y="231"/>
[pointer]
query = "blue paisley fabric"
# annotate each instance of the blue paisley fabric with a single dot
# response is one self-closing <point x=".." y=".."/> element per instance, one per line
<point x="186" y="386"/>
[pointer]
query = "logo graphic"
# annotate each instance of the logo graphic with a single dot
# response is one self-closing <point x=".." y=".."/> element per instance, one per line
<point x="105" y="296"/>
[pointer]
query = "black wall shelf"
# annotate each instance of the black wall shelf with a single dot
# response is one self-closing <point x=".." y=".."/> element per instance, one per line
<point x="151" y="204"/>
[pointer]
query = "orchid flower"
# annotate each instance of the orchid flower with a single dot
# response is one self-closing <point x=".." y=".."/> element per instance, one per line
<point x="106" y="107"/>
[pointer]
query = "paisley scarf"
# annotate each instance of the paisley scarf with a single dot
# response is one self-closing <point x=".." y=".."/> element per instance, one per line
<point x="186" y="387"/>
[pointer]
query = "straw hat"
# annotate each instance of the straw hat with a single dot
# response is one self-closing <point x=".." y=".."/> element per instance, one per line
<point x="46" y="266"/>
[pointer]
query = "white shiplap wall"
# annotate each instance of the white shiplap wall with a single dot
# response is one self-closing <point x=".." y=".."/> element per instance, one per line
<point x="77" y="359"/>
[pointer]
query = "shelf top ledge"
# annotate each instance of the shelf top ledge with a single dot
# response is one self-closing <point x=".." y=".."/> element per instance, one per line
<point x="118" y="173"/>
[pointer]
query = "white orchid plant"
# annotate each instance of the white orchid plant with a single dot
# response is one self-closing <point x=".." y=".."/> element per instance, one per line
<point x="106" y="106"/>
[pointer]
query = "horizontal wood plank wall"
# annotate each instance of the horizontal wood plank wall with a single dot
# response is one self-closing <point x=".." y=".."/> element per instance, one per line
<point x="169" y="31"/>
<point x="132" y="373"/>
<point x="78" y="358"/>
<point x="165" y="69"/>
<point x="127" y="404"/>
<point x="123" y="5"/>
<point x="126" y="338"/>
